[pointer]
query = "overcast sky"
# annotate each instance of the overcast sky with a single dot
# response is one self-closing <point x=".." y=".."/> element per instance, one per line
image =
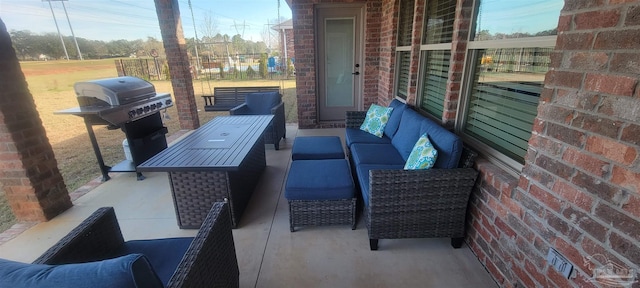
<point x="137" y="19"/>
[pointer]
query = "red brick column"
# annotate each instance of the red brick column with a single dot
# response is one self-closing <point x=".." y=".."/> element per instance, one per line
<point x="176" y="49"/>
<point x="387" y="52"/>
<point x="304" y="42"/>
<point x="461" y="32"/>
<point x="28" y="169"/>
<point x="416" y="40"/>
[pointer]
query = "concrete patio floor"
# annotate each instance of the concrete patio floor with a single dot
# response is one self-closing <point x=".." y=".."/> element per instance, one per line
<point x="269" y="255"/>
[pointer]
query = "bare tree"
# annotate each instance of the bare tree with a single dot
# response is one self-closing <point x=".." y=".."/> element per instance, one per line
<point x="209" y="29"/>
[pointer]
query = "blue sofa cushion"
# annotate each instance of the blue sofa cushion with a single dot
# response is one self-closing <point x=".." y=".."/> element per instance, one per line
<point x="127" y="271"/>
<point x="319" y="180"/>
<point x="317" y="147"/>
<point x="363" y="153"/>
<point x="163" y="254"/>
<point x="408" y="132"/>
<point x="394" y="119"/>
<point x="363" y="177"/>
<point x="448" y="144"/>
<point x="260" y="103"/>
<point x="355" y="135"/>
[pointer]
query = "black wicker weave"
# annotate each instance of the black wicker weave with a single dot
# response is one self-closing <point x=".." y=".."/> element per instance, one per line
<point x="210" y="261"/>
<point x="322" y="212"/>
<point x="417" y="203"/>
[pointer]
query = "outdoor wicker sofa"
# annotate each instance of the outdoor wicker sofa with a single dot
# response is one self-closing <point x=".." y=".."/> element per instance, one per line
<point x="401" y="203"/>
<point x="91" y="256"/>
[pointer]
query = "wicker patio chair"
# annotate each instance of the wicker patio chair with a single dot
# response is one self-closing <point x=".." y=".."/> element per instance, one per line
<point x="266" y="103"/>
<point x="210" y="260"/>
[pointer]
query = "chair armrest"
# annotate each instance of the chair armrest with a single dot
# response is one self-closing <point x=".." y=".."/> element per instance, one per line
<point x="354" y="119"/>
<point x="211" y="259"/>
<point x="415" y="190"/>
<point x="278" y="109"/>
<point x="241" y="109"/>
<point x="96" y="238"/>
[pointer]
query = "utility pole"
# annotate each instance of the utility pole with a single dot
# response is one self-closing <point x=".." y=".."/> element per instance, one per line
<point x="64" y="47"/>
<point x="71" y="28"/>
<point x="73" y="35"/>
<point x="196" y="33"/>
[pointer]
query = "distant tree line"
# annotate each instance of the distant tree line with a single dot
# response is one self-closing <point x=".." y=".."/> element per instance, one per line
<point x="486" y="35"/>
<point x="31" y="46"/>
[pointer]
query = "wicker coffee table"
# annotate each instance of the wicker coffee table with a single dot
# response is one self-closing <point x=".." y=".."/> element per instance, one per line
<point x="220" y="161"/>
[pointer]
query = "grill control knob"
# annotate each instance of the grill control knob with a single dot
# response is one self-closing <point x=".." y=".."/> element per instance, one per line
<point x="153" y="107"/>
<point x="168" y="102"/>
<point x="159" y="104"/>
<point x="132" y="114"/>
<point x="139" y="111"/>
<point x="146" y="109"/>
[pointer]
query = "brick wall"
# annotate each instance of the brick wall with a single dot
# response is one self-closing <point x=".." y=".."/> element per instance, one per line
<point x="578" y="191"/>
<point x="29" y="174"/>
<point x="175" y="48"/>
<point x="304" y="45"/>
<point x="387" y="44"/>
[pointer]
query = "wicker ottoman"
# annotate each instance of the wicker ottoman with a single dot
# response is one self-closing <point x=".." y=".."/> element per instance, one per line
<point x="320" y="192"/>
<point x="317" y="147"/>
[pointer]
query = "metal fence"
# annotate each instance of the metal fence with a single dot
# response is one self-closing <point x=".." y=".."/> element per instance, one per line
<point x="239" y="67"/>
<point x="145" y="68"/>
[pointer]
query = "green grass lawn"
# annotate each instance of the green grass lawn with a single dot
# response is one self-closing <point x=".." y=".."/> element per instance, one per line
<point x="51" y="84"/>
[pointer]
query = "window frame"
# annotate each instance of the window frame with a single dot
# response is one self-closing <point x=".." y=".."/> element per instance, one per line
<point x="399" y="50"/>
<point x="496" y="157"/>
<point x="424" y="50"/>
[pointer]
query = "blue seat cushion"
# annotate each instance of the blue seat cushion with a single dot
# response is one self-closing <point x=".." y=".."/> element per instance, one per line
<point x="260" y="103"/>
<point x="127" y="271"/>
<point x="394" y="120"/>
<point x="317" y="147"/>
<point x="355" y="135"/>
<point x="386" y="154"/>
<point x="163" y="254"/>
<point x="319" y="180"/>
<point x="448" y="144"/>
<point x="408" y="132"/>
<point x="363" y="177"/>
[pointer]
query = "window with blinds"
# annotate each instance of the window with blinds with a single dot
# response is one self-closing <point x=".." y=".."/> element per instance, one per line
<point x="435" y="57"/>
<point x="436" y="71"/>
<point x="404" y="65"/>
<point x="438" y="27"/>
<point x="405" y="24"/>
<point x="403" y="50"/>
<point x="504" y="97"/>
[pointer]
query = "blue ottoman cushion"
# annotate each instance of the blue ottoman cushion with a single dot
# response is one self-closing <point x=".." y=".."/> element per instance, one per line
<point x="317" y="147"/>
<point x="328" y="179"/>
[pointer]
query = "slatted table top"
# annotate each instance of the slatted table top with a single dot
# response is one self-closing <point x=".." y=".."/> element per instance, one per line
<point x="221" y="144"/>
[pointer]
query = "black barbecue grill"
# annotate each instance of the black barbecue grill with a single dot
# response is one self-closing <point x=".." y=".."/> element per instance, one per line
<point x="130" y="104"/>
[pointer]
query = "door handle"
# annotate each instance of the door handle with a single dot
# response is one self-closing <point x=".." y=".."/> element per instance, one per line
<point x="356" y="73"/>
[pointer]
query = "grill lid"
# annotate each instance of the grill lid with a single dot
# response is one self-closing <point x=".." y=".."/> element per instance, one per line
<point x="113" y="91"/>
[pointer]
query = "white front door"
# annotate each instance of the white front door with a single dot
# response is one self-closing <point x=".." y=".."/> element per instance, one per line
<point x="340" y="70"/>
